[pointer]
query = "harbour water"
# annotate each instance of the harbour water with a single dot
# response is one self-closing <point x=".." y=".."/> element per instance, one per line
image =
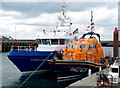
<point x="11" y="77"/>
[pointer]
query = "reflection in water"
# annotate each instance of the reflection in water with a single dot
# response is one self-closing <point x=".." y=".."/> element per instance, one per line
<point x="41" y="79"/>
<point x="45" y="79"/>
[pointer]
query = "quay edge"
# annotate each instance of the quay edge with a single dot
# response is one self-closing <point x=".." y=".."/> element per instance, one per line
<point x="90" y="82"/>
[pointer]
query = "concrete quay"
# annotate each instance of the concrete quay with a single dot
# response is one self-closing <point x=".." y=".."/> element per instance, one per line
<point x="91" y="82"/>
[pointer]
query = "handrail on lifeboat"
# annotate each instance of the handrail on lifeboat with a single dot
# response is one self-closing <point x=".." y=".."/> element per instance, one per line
<point x="91" y="33"/>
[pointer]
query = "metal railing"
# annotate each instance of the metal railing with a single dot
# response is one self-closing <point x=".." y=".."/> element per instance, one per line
<point x="24" y="48"/>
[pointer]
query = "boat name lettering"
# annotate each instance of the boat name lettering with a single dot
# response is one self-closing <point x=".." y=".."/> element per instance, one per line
<point x="37" y="59"/>
<point x="78" y="69"/>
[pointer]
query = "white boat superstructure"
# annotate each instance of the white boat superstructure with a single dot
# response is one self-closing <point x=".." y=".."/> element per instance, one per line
<point x="58" y="38"/>
<point x="114" y="72"/>
<point x="53" y="41"/>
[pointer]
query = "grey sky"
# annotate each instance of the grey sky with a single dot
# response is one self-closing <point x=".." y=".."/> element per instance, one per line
<point x="32" y="17"/>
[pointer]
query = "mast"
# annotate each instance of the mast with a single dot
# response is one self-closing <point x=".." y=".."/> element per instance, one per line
<point x="92" y="24"/>
<point x="91" y="19"/>
<point x="64" y="21"/>
<point x="64" y="10"/>
<point x="91" y="28"/>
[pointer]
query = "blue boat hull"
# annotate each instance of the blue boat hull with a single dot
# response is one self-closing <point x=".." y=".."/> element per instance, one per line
<point x="73" y="68"/>
<point x="30" y="60"/>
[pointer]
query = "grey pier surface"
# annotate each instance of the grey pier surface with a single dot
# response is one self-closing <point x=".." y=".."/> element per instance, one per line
<point x="90" y="82"/>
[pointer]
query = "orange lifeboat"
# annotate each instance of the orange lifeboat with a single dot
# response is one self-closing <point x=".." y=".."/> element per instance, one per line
<point x="80" y="56"/>
<point x="84" y="50"/>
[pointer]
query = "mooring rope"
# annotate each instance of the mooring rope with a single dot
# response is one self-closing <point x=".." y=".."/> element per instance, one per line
<point x="34" y="71"/>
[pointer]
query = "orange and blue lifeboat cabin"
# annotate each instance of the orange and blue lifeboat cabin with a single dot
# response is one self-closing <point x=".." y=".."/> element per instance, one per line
<point x="79" y="56"/>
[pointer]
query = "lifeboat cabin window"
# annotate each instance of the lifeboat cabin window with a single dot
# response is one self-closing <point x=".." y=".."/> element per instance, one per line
<point x="68" y="46"/>
<point x="91" y="46"/>
<point x="54" y="41"/>
<point x="45" y="41"/>
<point x="74" y="46"/>
<point x="62" y="41"/>
<point x="82" y="46"/>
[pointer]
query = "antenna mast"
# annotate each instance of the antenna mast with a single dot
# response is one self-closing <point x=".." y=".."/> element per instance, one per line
<point x="64" y="21"/>
<point x="92" y="21"/>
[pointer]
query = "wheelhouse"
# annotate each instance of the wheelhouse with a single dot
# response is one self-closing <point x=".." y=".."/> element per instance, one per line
<point x="53" y="41"/>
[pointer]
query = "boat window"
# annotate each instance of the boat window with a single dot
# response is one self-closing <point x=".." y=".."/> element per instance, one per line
<point x="82" y="46"/>
<point x="74" y="46"/>
<point x="39" y="41"/>
<point x="115" y="70"/>
<point x="94" y="45"/>
<point x="54" y="41"/>
<point x="90" y="38"/>
<point x="91" y="46"/>
<point x="62" y="41"/>
<point x="45" y="41"/>
<point x="68" y="46"/>
<point x="67" y="41"/>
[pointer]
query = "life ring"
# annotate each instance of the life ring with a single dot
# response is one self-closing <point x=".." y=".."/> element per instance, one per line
<point x="102" y="82"/>
<point x="61" y="51"/>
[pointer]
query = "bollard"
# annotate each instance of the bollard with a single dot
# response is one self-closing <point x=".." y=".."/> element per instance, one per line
<point x="89" y="72"/>
<point x="99" y="69"/>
